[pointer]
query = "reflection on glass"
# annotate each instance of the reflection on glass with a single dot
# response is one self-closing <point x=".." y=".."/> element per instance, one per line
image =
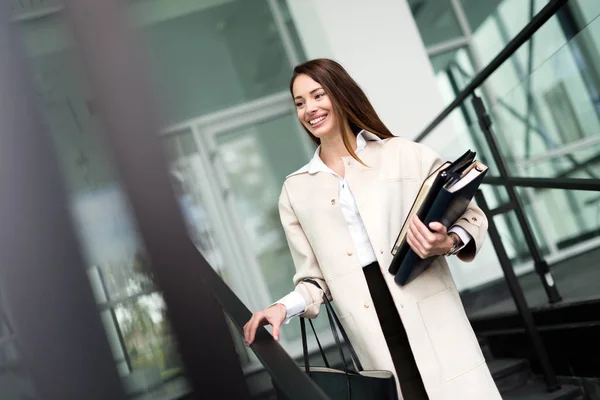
<point x="287" y="17"/>
<point x="189" y="183"/>
<point x="15" y="382"/>
<point x="147" y="335"/>
<point x="256" y="160"/>
<point x="188" y="178"/>
<point x="435" y="20"/>
<point x="208" y="56"/>
<point x="546" y="116"/>
<point x="556" y="106"/>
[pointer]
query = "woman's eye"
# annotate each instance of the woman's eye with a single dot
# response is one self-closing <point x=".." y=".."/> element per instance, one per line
<point x="318" y="96"/>
<point x="299" y="104"/>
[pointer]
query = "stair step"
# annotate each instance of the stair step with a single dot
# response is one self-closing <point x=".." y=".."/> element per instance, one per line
<point x="509" y="374"/>
<point x="485" y="349"/>
<point x="537" y="391"/>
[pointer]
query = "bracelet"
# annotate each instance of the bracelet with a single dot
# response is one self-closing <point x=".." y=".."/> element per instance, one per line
<point x="452" y="249"/>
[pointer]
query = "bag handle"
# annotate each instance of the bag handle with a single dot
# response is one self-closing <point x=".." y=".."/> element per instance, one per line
<point x="333" y="321"/>
<point x="305" y="345"/>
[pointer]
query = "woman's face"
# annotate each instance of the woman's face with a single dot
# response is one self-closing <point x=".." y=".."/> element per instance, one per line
<point x="314" y="107"/>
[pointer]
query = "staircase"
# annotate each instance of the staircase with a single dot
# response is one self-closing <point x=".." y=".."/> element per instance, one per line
<point x="516" y="381"/>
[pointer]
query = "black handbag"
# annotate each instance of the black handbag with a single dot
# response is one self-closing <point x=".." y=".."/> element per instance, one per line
<point x="346" y="384"/>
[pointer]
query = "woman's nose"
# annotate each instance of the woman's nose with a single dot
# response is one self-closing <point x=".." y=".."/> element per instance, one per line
<point x="311" y="107"/>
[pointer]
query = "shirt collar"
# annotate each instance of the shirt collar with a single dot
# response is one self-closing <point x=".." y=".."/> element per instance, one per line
<point x="317" y="165"/>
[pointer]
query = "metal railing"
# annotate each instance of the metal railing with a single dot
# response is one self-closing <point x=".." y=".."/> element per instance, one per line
<point x="510" y="183"/>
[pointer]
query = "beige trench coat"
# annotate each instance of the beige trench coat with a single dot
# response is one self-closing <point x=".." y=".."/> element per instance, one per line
<point x="446" y="350"/>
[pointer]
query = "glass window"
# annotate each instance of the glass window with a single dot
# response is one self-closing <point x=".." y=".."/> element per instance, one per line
<point x="212" y="56"/>
<point x="257" y="159"/>
<point x="287" y="17"/>
<point x="435" y="20"/>
<point x="586" y="10"/>
<point x="15" y="382"/>
<point x="203" y="57"/>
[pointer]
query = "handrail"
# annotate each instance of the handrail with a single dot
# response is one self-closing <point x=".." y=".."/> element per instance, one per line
<point x="526" y="33"/>
<point x="545" y="183"/>
<point x="540" y="265"/>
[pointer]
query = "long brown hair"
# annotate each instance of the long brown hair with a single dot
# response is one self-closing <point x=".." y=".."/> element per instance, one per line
<point x="349" y="101"/>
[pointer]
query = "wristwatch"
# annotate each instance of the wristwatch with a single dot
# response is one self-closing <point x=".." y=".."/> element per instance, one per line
<point x="455" y="244"/>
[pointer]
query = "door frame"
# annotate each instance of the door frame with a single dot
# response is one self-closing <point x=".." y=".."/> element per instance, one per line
<point x="243" y="266"/>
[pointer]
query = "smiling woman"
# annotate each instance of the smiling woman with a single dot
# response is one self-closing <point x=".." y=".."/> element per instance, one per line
<point x="341" y="212"/>
<point x="322" y="101"/>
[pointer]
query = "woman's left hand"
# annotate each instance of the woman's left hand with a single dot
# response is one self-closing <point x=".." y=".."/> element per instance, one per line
<point x="428" y="242"/>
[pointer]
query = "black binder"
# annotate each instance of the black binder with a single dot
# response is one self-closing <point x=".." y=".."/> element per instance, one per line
<point x="443" y="197"/>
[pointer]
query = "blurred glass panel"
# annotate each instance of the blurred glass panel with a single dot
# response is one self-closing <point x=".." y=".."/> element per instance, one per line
<point x="15" y="382"/>
<point x="435" y="20"/>
<point x="203" y="57"/>
<point x="587" y="10"/>
<point x="458" y="133"/>
<point x="505" y="22"/>
<point x="287" y="17"/>
<point x="210" y="55"/>
<point x="455" y="64"/>
<point x="190" y="188"/>
<point x="495" y="23"/>
<point x="566" y="217"/>
<point x="550" y="122"/>
<point x="148" y="339"/>
<point x="257" y="159"/>
<point x="106" y="231"/>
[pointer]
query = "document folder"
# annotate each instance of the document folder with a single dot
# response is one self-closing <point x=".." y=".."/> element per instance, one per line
<point x="443" y="197"/>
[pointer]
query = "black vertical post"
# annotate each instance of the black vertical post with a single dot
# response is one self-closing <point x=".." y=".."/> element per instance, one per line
<point x="44" y="283"/>
<point x="541" y="266"/>
<point x="518" y="296"/>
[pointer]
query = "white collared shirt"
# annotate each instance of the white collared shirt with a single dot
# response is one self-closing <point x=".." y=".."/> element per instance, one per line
<point x="294" y="302"/>
<point x="362" y="245"/>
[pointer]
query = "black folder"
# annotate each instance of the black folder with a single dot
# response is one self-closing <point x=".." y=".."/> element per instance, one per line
<point x="443" y="197"/>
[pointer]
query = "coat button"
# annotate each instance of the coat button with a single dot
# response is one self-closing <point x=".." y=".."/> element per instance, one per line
<point x="381" y="251"/>
<point x="474" y="219"/>
<point x="349" y="253"/>
<point x="333" y="202"/>
<point x="366" y="306"/>
<point x="348" y="163"/>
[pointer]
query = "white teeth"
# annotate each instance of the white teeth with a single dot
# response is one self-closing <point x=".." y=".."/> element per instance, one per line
<point x="317" y="120"/>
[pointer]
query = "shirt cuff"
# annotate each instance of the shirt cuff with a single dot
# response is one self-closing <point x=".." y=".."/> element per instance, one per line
<point x="294" y="305"/>
<point x="464" y="236"/>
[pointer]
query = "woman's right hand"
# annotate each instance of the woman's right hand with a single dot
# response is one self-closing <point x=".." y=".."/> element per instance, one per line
<point x="274" y="316"/>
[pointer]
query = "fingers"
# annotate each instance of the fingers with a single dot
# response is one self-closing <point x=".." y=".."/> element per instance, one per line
<point x="423" y="241"/>
<point x="414" y="244"/>
<point x="421" y="230"/>
<point x="271" y="315"/>
<point x="251" y="327"/>
<point x="438" y="228"/>
<point x="276" y="327"/>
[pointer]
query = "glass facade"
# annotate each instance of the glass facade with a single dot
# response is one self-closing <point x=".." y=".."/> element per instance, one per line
<point x="544" y="102"/>
<point x="216" y="67"/>
<point x="221" y="69"/>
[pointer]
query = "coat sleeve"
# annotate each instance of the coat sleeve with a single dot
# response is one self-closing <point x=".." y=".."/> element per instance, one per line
<point x="304" y="259"/>
<point x="474" y="221"/>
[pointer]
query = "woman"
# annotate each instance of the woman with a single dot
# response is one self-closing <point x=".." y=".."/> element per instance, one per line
<point x="341" y="214"/>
